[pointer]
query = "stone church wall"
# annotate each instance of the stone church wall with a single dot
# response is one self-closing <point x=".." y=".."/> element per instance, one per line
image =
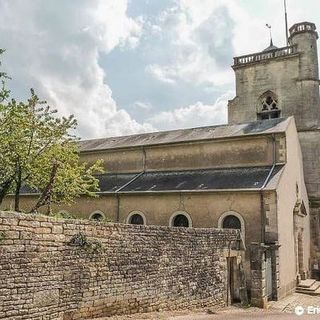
<point x="77" y="269"/>
<point x="251" y="151"/>
<point x="310" y="145"/>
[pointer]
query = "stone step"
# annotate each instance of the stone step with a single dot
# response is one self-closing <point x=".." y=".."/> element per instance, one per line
<point x="306" y="283"/>
<point x="313" y="290"/>
<point x="314" y="287"/>
<point x="310" y="293"/>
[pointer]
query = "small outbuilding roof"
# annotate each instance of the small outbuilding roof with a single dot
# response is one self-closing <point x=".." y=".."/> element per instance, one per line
<point x="186" y="135"/>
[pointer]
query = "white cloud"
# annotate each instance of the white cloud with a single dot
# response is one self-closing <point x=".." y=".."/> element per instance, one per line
<point x="198" y="39"/>
<point x="54" y="46"/>
<point x="142" y="106"/>
<point x="197" y="114"/>
<point x="165" y="74"/>
<point x="203" y="36"/>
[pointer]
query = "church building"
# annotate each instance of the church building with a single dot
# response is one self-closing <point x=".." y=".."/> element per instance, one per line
<point x="260" y="173"/>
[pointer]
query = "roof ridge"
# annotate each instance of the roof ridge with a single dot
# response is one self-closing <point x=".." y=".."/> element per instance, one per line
<point x="183" y="135"/>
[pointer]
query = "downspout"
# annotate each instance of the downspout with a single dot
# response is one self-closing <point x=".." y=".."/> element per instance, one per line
<point x="263" y="216"/>
<point x="228" y="272"/>
<point x="118" y="207"/>
<point x="129" y="182"/>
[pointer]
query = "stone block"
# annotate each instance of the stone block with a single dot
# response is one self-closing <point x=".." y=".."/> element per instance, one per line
<point x="57" y="229"/>
<point x="45" y="298"/>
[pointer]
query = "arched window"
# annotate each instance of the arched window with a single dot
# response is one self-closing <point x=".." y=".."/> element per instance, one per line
<point x="180" y="219"/>
<point x="136" y="217"/>
<point x="97" y="216"/>
<point x="231" y="222"/>
<point x="268" y="107"/>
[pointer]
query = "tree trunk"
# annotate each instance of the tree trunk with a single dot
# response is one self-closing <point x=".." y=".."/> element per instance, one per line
<point x="17" y="193"/>
<point x="4" y="189"/>
<point x="46" y="194"/>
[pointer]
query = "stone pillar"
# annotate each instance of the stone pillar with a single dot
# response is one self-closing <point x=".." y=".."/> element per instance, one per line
<point x="258" y="275"/>
<point x="315" y="242"/>
<point x="275" y="271"/>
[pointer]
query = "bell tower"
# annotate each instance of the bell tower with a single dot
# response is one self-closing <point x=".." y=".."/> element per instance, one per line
<point x="283" y="82"/>
<point x="289" y="74"/>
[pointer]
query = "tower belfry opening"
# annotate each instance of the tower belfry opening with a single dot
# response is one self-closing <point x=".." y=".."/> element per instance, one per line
<point x="268" y="107"/>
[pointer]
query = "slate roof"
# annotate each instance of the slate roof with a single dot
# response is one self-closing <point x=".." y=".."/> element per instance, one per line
<point x="186" y="135"/>
<point x="191" y="180"/>
<point x="187" y="180"/>
<point x="112" y="182"/>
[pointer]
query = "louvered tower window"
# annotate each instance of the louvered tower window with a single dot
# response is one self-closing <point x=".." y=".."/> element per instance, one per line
<point x="269" y="108"/>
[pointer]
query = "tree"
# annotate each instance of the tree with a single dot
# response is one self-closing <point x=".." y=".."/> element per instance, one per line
<point x="39" y="153"/>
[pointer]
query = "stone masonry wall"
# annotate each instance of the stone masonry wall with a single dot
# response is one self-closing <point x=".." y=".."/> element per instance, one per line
<point x="78" y="269"/>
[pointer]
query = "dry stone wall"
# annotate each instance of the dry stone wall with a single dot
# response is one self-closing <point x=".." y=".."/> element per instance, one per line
<point x="77" y="269"/>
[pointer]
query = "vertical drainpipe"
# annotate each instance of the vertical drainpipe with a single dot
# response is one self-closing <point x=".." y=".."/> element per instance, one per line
<point x="263" y="216"/>
<point x="117" y="191"/>
<point x="118" y="207"/>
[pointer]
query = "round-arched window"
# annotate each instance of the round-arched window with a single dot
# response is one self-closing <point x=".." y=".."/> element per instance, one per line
<point x="136" y="219"/>
<point x="180" y="220"/>
<point x="97" y="216"/>
<point x="231" y="222"/>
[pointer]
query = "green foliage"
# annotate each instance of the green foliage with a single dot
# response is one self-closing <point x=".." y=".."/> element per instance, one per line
<point x="106" y="220"/>
<point x="4" y="92"/>
<point x="63" y="215"/>
<point x="39" y="152"/>
<point x="81" y="240"/>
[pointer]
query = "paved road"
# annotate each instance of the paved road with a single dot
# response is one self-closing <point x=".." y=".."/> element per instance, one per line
<point x="223" y="315"/>
<point x="245" y="315"/>
<point x="278" y="310"/>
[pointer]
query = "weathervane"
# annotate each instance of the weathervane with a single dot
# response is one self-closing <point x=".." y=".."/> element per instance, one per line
<point x="269" y="27"/>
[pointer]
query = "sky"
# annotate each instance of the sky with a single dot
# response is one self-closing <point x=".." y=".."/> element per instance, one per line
<point x="131" y="66"/>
